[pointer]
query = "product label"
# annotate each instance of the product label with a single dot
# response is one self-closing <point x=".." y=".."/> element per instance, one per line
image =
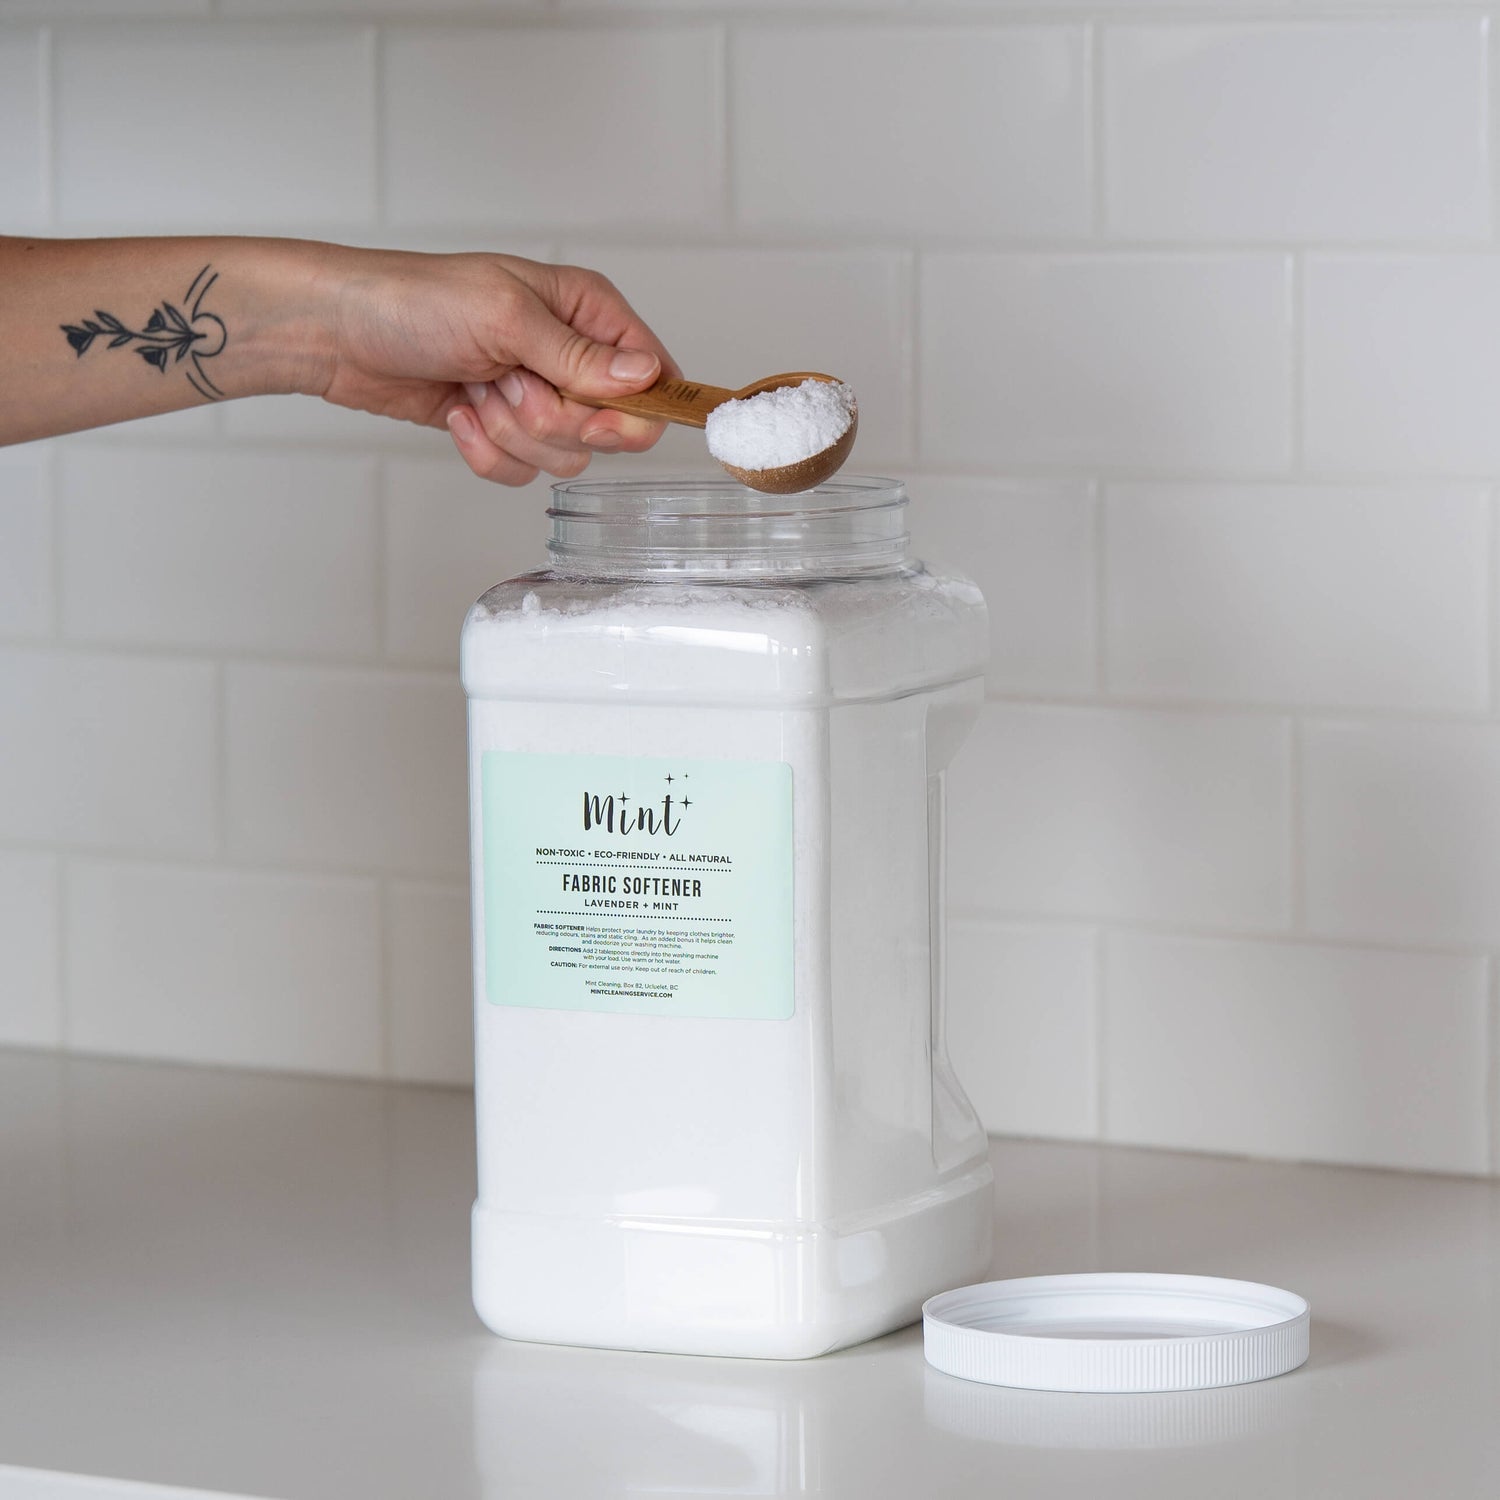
<point x="641" y="885"/>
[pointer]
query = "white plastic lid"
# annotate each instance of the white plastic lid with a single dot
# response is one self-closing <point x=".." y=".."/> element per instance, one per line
<point x="1108" y="1331"/>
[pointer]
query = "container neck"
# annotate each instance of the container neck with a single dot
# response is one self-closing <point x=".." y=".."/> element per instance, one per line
<point x="708" y="530"/>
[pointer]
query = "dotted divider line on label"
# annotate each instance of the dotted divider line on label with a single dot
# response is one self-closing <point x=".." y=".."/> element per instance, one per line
<point x="610" y="864"/>
<point x="634" y="916"/>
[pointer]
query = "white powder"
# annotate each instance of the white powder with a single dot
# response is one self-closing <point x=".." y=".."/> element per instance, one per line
<point x="763" y="1187"/>
<point x="782" y="426"/>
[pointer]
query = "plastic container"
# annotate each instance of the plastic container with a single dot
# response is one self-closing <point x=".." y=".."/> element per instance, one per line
<point x="708" y="750"/>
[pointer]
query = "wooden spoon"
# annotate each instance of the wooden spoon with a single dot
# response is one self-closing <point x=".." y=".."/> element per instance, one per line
<point x="689" y="403"/>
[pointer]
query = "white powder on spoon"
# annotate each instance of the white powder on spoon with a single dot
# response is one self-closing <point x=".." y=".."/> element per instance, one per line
<point x="781" y="426"/>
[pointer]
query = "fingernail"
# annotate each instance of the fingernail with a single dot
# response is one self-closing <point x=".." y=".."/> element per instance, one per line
<point x="512" y="388"/>
<point x="602" y="437"/>
<point x="477" y="390"/>
<point x="632" y="365"/>
<point x="461" y="425"/>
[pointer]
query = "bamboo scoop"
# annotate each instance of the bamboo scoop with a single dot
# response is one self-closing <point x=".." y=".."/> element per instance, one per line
<point x="689" y="403"/>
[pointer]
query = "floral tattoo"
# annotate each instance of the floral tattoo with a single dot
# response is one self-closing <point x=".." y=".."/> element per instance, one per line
<point x="169" y="336"/>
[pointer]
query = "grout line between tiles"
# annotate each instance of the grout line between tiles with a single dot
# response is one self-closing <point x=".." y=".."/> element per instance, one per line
<point x="844" y="239"/>
<point x="913" y="352"/>
<point x="382" y="560"/>
<point x="1297" y="355"/>
<point x="1098" y="960"/>
<point x="1191" y="931"/>
<point x="384" y="999"/>
<point x="1094" y="62"/>
<point x="378" y="139"/>
<point x="1490" y="62"/>
<point x="1362" y="714"/>
<point x="52" y="489"/>
<point x="47" y="82"/>
<point x="1492" y="618"/>
<point x="1099" y="520"/>
<point x="725" y="128"/>
<point x="61" y="887"/>
<point x="1097" y="1175"/>
<point x="221" y="758"/>
<point x="1297" y="832"/>
<point x="452" y="879"/>
<point x="1492" y="1062"/>
<point x="939" y="14"/>
<point x="395" y="672"/>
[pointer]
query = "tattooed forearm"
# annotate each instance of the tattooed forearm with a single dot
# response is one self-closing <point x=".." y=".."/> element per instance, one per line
<point x="169" y="337"/>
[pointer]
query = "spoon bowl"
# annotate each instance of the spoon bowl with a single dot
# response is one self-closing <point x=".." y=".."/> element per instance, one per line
<point x="688" y="402"/>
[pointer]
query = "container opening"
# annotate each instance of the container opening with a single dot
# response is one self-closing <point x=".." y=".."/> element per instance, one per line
<point x="706" y="528"/>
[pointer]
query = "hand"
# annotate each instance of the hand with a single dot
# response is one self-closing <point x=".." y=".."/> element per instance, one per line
<point x="482" y="344"/>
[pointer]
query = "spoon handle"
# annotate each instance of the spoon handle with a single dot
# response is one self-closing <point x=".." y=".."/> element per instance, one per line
<point x="669" y="400"/>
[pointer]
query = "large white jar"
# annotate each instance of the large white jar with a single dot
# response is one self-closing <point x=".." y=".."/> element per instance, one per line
<point x="707" y="757"/>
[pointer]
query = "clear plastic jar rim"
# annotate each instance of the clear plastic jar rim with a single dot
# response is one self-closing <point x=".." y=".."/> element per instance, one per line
<point x="717" y="497"/>
<point x="715" y="527"/>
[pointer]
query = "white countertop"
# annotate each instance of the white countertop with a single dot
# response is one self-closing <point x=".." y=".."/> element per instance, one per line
<point x="259" y="1285"/>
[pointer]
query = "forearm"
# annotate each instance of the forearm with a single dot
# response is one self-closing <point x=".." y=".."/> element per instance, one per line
<point x="100" y="331"/>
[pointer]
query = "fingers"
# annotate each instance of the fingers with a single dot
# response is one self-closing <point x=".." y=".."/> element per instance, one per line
<point x="571" y="359"/>
<point x="576" y="331"/>
<point x="597" y="308"/>
<point x="560" y="454"/>
<point x="519" y="426"/>
<point x="537" y="410"/>
<point x="563" y="329"/>
<point x="481" y="455"/>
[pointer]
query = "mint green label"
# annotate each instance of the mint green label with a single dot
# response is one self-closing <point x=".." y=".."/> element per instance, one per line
<point x="646" y="886"/>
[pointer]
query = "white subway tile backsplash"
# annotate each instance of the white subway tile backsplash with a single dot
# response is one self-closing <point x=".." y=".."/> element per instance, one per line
<point x="108" y="752"/>
<point x="1021" y="1027"/>
<point x="527" y="126"/>
<point x="218" y="126"/>
<point x="303" y="419"/>
<point x="1299" y="1051"/>
<point x="1403" y="831"/>
<point x="346" y="768"/>
<point x="25" y="544"/>
<point x="431" y="983"/>
<point x="30" y="999"/>
<point x="1354" y="129"/>
<point x="30" y="741"/>
<point x="1099" y="814"/>
<point x="1402" y="363"/>
<point x="240" y="551"/>
<point x="190" y="425"/>
<point x="961" y="131"/>
<point x="220" y="966"/>
<point x="1299" y="594"/>
<point x="1162" y="362"/>
<point x="449" y="537"/>
<point x="1030" y="548"/>
<point x="138" y="767"/>
<point x="732" y="316"/>
<point x="23" y="199"/>
<point x="1078" y="337"/>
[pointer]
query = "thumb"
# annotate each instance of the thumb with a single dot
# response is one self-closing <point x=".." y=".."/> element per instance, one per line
<point x="574" y="362"/>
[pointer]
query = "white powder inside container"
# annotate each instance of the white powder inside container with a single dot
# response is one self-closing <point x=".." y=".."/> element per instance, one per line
<point x="781" y="426"/>
<point x="706" y="1154"/>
